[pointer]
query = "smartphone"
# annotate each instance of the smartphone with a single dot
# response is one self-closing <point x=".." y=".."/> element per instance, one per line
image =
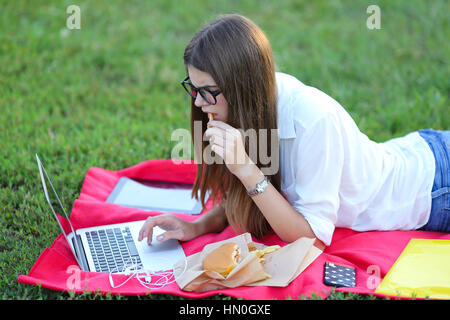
<point x="338" y="275"/>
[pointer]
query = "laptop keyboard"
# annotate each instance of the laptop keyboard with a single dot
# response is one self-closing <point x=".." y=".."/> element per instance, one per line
<point x="112" y="248"/>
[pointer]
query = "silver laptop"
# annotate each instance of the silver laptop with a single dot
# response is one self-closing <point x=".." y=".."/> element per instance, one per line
<point x="110" y="248"/>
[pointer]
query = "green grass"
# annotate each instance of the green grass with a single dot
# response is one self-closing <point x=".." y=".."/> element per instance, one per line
<point x="108" y="95"/>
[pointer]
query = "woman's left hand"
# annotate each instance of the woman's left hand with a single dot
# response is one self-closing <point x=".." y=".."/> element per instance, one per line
<point x="227" y="142"/>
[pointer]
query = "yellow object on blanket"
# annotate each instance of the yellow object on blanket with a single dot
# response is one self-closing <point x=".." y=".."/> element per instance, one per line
<point x="422" y="270"/>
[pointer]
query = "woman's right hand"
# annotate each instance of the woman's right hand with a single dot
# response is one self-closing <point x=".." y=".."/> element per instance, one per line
<point x="175" y="227"/>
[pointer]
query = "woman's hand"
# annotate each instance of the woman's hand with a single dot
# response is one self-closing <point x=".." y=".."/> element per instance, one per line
<point x="175" y="227"/>
<point x="228" y="143"/>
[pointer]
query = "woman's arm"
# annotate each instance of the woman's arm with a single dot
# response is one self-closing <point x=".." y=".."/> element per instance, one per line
<point x="212" y="221"/>
<point x="285" y="221"/>
<point x="176" y="228"/>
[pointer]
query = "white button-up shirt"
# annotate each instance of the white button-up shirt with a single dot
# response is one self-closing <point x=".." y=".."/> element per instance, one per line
<point x="335" y="176"/>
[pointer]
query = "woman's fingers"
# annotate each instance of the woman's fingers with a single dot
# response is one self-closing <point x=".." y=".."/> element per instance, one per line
<point x="213" y="132"/>
<point x="218" y="150"/>
<point x="220" y="124"/>
<point x="171" y="234"/>
<point x="175" y="228"/>
<point x="220" y="129"/>
<point x="147" y="228"/>
<point x="217" y="140"/>
<point x="228" y="141"/>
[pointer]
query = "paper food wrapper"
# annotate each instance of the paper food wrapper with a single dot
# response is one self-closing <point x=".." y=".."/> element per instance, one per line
<point x="282" y="265"/>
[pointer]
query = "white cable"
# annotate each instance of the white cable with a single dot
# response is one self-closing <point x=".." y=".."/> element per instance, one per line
<point x="145" y="277"/>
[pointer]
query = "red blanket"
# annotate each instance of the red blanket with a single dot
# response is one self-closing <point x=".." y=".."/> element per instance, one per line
<point x="372" y="253"/>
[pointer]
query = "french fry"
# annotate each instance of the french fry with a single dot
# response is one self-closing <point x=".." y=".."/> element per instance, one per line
<point x="260" y="253"/>
<point x="210" y="118"/>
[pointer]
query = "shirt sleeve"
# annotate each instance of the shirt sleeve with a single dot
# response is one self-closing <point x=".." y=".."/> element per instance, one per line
<point x="319" y="155"/>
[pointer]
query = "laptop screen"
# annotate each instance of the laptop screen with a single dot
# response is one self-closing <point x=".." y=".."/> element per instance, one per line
<point x="58" y="210"/>
<point x="155" y="195"/>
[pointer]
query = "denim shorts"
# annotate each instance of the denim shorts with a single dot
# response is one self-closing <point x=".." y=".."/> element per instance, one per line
<point x="439" y="142"/>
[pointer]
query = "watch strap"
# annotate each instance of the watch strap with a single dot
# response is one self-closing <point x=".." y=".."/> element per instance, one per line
<point x="259" y="188"/>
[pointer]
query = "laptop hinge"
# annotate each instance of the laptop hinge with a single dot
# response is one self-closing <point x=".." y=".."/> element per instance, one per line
<point x="82" y="256"/>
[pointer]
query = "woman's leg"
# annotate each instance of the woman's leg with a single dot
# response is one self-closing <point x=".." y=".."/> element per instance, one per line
<point x="439" y="142"/>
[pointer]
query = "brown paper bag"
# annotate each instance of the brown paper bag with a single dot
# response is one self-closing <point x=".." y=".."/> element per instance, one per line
<point x="283" y="265"/>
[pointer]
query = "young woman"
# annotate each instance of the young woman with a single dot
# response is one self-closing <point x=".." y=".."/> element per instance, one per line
<point x="330" y="174"/>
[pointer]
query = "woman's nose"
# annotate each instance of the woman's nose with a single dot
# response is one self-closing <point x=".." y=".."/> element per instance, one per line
<point x="199" y="101"/>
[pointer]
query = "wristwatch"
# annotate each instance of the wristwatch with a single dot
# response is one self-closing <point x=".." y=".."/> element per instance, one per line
<point x="259" y="188"/>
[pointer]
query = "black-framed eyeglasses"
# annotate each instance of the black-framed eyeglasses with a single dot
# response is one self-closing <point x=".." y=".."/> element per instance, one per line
<point x="208" y="95"/>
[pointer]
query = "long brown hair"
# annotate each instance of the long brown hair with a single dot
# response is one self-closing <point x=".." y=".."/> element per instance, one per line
<point x="238" y="56"/>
